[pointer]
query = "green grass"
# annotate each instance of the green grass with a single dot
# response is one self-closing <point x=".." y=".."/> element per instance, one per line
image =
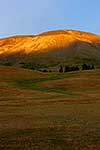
<point x="35" y="83"/>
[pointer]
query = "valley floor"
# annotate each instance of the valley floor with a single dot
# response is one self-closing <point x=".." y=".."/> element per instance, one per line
<point x="49" y="111"/>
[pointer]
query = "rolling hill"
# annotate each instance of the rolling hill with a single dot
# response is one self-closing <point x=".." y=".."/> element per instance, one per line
<point x="52" y="48"/>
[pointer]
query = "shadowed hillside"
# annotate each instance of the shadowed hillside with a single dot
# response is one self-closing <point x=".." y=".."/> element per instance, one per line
<point x="53" y="48"/>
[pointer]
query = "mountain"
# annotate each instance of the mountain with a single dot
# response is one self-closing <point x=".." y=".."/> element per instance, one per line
<point x="52" y="48"/>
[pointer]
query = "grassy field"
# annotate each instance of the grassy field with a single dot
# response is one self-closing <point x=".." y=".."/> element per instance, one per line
<point x="49" y="111"/>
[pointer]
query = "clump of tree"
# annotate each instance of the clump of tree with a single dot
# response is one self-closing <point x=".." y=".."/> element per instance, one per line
<point x="71" y="68"/>
<point x="68" y="68"/>
<point x="87" y="67"/>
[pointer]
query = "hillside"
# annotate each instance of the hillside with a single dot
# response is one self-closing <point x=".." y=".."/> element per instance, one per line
<point x="52" y="48"/>
<point x="49" y="111"/>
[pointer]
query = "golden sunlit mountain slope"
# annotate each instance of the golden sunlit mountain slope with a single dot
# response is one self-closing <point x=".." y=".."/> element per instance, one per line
<point x="53" y="47"/>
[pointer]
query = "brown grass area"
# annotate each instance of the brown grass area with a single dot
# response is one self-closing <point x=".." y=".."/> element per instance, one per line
<point x="86" y="85"/>
<point x="34" y="118"/>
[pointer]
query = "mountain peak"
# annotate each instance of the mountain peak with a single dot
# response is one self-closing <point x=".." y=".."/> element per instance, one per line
<point x="58" y="44"/>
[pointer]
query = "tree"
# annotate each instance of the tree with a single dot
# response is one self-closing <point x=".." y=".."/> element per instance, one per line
<point x="50" y="70"/>
<point x="87" y="67"/>
<point x="77" y="68"/>
<point x="92" y="67"/>
<point x="45" y="70"/>
<point x="72" y="68"/>
<point x="67" y="69"/>
<point x="84" y="67"/>
<point x="61" y="69"/>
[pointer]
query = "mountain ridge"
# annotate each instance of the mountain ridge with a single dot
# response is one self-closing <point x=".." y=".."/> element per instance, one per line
<point x="59" y="45"/>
